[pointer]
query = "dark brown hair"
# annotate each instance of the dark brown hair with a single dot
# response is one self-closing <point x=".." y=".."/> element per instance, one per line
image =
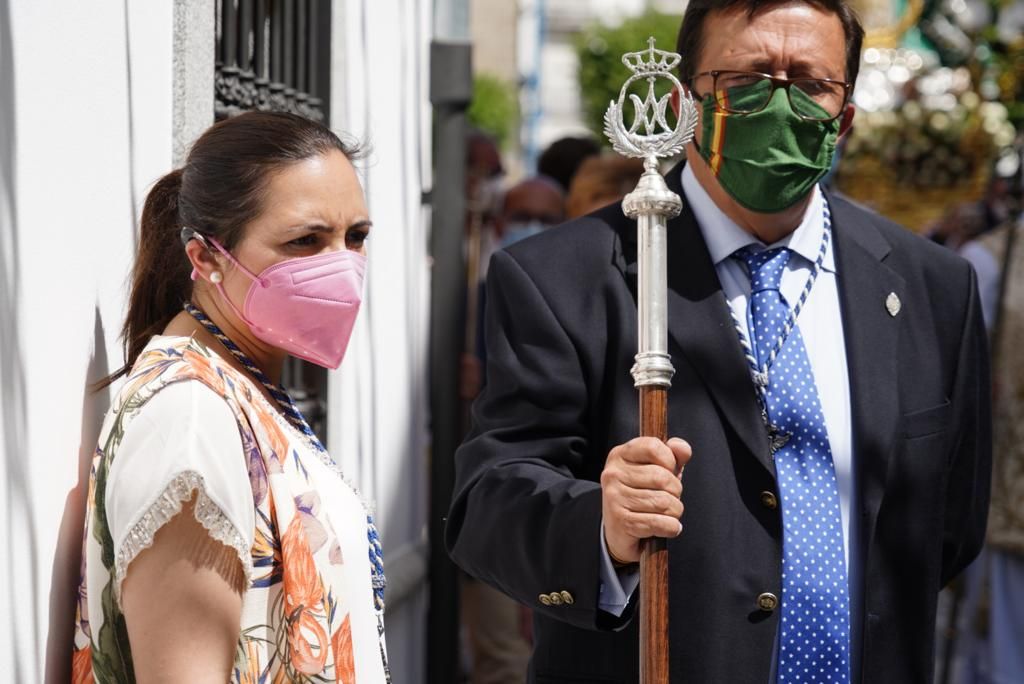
<point x="217" y="193"/>
<point x="691" y="33"/>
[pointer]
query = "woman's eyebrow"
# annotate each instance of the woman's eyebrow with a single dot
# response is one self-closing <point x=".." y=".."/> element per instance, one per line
<point x="314" y="227"/>
<point x="324" y="228"/>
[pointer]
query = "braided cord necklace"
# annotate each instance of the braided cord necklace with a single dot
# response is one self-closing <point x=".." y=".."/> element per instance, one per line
<point x="284" y="401"/>
<point x="298" y="421"/>
<point x="759" y="372"/>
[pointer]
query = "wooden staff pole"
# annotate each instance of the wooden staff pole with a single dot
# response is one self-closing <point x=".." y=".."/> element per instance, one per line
<point x="651" y="205"/>
<point x="654" y="560"/>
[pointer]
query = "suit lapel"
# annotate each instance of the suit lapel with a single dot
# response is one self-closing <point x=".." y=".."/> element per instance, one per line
<point x="871" y="335"/>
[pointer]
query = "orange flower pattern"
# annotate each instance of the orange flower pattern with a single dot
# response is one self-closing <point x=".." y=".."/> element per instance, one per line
<point x="81" y="666"/>
<point x="344" y="658"/>
<point x="298" y="595"/>
<point x="303" y="596"/>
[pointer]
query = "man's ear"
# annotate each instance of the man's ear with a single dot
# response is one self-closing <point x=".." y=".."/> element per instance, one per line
<point x="846" y="123"/>
<point x="674" y="101"/>
<point x="675" y="96"/>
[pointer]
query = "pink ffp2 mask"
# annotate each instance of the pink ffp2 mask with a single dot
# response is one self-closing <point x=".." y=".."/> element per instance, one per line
<point x="306" y="306"/>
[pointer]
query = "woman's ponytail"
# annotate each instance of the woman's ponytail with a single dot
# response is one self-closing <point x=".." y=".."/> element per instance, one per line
<point x="160" y="277"/>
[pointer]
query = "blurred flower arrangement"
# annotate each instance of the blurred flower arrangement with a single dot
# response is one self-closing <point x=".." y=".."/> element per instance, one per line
<point x="934" y="149"/>
<point x="932" y="117"/>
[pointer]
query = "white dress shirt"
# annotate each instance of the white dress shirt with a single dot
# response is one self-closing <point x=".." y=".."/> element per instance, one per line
<point x="821" y="325"/>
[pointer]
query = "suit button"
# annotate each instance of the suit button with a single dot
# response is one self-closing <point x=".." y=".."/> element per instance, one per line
<point x="567" y="598"/>
<point x="767" y="602"/>
<point x="769" y="501"/>
<point x="555" y="598"/>
<point x="544" y="599"/>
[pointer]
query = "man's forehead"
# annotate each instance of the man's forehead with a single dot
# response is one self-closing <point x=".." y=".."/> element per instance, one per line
<point x="799" y="33"/>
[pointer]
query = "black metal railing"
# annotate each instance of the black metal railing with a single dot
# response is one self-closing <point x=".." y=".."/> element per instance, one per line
<point x="273" y="55"/>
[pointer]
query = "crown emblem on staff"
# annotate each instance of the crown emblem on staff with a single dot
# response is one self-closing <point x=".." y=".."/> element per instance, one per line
<point x="660" y="60"/>
<point x="659" y="138"/>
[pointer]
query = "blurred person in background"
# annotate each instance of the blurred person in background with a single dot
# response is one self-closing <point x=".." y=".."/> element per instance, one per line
<point x="497" y="627"/>
<point x="600" y="181"/>
<point x="960" y="224"/>
<point x="991" y="637"/>
<point x="1000" y="201"/>
<point x="483" y="160"/>
<point x="485" y="175"/>
<point x="485" y="179"/>
<point x="526" y="209"/>
<point x="529" y="208"/>
<point x="562" y="159"/>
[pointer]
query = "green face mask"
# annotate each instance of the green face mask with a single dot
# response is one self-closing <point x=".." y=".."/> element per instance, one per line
<point x="770" y="160"/>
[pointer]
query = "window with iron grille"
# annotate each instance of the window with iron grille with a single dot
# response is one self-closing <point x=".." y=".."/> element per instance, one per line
<point x="273" y="55"/>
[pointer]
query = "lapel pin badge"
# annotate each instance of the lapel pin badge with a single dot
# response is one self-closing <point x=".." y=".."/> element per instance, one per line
<point x="893" y="304"/>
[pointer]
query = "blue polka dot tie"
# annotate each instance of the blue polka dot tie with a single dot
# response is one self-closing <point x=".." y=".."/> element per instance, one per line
<point x="814" y="644"/>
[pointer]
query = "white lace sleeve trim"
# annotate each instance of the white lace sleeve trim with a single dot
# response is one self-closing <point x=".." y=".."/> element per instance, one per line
<point x="167" y="505"/>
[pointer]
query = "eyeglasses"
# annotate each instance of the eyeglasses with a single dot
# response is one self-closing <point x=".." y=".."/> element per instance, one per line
<point x="748" y="92"/>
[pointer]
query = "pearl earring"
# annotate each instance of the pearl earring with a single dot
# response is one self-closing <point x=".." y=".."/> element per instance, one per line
<point x="216" y="277"/>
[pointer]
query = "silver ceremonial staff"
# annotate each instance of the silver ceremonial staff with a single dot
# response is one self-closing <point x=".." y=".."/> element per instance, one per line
<point x="651" y="204"/>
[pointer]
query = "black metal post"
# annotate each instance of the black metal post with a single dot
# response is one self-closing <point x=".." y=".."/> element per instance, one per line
<point x="245" y="27"/>
<point x="301" y="35"/>
<point x="246" y="95"/>
<point x="288" y="52"/>
<point x="320" y="74"/>
<point x="228" y="33"/>
<point x="451" y="86"/>
<point x="277" y="41"/>
<point x="311" y="51"/>
<point x="275" y="91"/>
<point x="259" y="40"/>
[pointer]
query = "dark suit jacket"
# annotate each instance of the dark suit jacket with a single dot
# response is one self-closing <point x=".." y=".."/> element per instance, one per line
<point x="561" y="335"/>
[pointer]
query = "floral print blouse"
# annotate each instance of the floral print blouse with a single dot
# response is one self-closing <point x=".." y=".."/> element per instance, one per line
<point x="259" y="487"/>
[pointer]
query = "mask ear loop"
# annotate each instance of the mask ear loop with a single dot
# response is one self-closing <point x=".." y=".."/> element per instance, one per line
<point x="189" y="233"/>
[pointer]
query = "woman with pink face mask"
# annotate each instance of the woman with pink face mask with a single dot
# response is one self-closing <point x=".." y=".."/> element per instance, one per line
<point x="222" y="542"/>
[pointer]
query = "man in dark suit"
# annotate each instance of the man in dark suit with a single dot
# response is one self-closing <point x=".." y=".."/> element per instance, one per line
<point x="840" y="467"/>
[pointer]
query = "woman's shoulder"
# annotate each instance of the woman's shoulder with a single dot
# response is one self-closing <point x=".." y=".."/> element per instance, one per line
<point x="183" y="425"/>
<point x="176" y="387"/>
<point x="170" y="359"/>
<point x="174" y="357"/>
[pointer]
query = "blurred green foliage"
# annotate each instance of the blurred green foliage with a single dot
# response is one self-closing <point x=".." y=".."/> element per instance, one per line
<point x="494" y="108"/>
<point x="601" y="71"/>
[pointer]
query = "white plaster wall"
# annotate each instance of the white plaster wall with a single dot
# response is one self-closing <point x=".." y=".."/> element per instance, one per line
<point x="85" y="126"/>
<point x="377" y="399"/>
